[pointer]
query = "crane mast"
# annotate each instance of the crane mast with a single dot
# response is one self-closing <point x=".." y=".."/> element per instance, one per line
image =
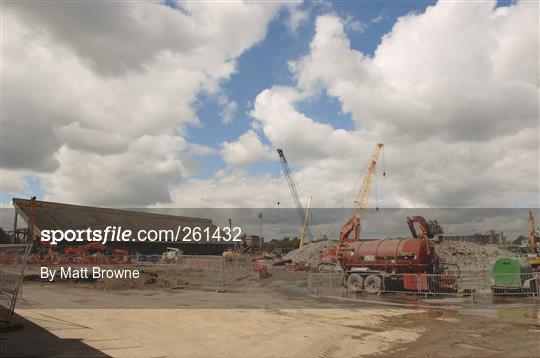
<point x="533" y="245"/>
<point x="305" y="227"/>
<point x="354" y="225"/>
<point x="294" y="192"/>
<point x="361" y="203"/>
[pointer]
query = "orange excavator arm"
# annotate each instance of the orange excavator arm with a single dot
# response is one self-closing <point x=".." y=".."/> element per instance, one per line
<point x="428" y="230"/>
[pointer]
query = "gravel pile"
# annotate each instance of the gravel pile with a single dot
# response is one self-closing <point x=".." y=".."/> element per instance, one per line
<point x="309" y="255"/>
<point x="470" y="256"/>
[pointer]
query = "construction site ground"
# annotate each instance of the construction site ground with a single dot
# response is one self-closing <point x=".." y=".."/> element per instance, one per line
<point x="272" y="317"/>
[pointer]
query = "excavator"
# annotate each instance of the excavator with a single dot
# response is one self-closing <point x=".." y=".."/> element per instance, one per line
<point x="533" y="258"/>
<point x="428" y="229"/>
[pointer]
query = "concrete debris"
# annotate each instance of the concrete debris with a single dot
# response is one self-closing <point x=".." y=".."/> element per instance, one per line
<point x="309" y="255"/>
<point x="470" y="256"/>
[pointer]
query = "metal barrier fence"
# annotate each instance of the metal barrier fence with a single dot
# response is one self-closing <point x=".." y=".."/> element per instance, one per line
<point x="13" y="260"/>
<point x="203" y="270"/>
<point x="98" y="258"/>
<point x="194" y="271"/>
<point x="223" y="271"/>
<point x="464" y="285"/>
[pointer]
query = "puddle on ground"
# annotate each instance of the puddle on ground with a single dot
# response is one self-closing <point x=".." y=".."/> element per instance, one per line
<point x="525" y="314"/>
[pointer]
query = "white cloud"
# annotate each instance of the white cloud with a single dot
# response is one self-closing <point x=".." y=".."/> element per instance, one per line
<point x="355" y="25"/>
<point x="246" y="150"/>
<point x="234" y="190"/>
<point x="91" y="140"/>
<point x="142" y="174"/>
<point x="13" y="182"/>
<point x="302" y="138"/>
<point x="452" y="92"/>
<point x="297" y="17"/>
<point x="228" y="109"/>
<point x="436" y="93"/>
<point x="98" y="95"/>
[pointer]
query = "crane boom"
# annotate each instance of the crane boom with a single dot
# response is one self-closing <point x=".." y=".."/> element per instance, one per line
<point x="305" y="227"/>
<point x="363" y="196"/>
<point x="354" y="225"/>
<point x="294" y="192"/>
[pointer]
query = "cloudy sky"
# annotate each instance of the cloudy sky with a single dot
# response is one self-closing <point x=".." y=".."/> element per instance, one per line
<point x="183" y="104"/>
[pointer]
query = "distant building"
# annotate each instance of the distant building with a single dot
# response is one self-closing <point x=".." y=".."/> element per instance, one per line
<point x="490" y="237"/>
<point x="59" y="216"/>
<point x="253" y="240"/>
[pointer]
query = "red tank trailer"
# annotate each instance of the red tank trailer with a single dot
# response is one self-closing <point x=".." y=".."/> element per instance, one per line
<point x="393" y="265"/>
<point x="390" y="255"/>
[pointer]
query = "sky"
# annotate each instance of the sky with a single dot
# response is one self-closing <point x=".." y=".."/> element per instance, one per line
<point x="183" y="104"/>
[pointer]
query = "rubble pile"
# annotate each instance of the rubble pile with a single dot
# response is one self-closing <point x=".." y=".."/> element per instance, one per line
<point x="309" y="255"/>
<point x="470" y="256"/>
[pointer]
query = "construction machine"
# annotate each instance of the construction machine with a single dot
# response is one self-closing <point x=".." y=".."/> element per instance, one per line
<point x="428" y="229"/>
<point x="85" y="250"/>
<point x="302" y="216"/>
<point x="305" y="227"/>
<point x="354" y="225"/>
<point x="533" y="257"/>
<point x="331" y="255"/>
<point x="171" y="254"/>
<point x="380" y="265"/>
<point x="93" y="252"/>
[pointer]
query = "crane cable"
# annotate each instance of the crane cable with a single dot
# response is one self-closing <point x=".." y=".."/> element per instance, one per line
<point x="360" y="176"/>
<point x="353" y="189"/>
<point x="278" y="182"/>
<point x="309" y="216"/>
<point x="378" y="200"/>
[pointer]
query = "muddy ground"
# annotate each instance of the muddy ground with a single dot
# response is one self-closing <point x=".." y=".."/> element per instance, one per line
<point x="270" y="317"/>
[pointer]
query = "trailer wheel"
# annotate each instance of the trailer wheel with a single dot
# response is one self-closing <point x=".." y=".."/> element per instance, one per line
<point x="373" y="284"/>
<point x="355" y="283"/>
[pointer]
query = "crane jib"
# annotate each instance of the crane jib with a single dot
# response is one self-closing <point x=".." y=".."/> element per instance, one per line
<point x="294" y="192"/>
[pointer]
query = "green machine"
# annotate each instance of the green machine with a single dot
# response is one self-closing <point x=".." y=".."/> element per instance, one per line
<point x="513" y="275"/>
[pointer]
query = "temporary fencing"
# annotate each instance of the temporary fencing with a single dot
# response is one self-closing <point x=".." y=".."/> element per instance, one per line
<point x="466" y="284"/>
<point x="207" y="271"/>
<point x="13" y="260"/>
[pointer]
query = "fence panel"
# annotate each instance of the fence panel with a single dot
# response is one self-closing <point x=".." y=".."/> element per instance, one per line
<point x="13" y="260"/>
<point x="212" y="271"/>
<point x="512" y="284"/>
<point x="320" y="283"/>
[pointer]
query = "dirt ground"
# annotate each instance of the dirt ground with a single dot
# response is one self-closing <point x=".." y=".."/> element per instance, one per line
<point x="264" y="318"/>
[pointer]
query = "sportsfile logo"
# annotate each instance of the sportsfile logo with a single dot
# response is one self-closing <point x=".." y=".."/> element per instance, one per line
<point x="118" y="234"/>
